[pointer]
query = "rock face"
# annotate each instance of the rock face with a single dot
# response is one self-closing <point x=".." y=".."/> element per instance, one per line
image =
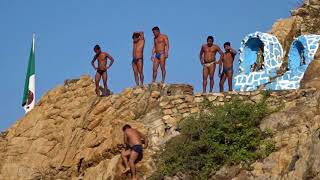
<point x="311" y="78"/>
<point x="304" y="20"/>
<point x="72" y="134"/>
<point x="297" y="135"/>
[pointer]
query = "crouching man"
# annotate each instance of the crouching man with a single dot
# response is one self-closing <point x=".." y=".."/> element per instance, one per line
<point x="133" y="139"/>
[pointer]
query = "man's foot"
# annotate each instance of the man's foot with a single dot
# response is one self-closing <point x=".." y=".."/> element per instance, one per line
<point x="127" y="170"/>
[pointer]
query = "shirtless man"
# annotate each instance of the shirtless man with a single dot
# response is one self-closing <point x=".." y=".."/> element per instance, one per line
<point x="160" y="53"/>
<point x="227" y="63"/>
<point x="208" y="60"/>
<point x="102" y="58"/>
<point x="134" y="140"/>
<point x="137" y="54"/>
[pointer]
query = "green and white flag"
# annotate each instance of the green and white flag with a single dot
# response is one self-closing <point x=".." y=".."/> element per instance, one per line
<point x="28" y="100"/>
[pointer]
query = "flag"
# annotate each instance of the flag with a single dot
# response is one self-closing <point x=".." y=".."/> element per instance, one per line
<point x="28" y="100"/>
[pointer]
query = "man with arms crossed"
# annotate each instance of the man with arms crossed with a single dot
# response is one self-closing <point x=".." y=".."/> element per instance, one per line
<point x="137" y="60"/>
<point x="160" y="53"/>
<point x="102" y="58"/>
<point x="208" y="60"/>
<point x="134" y="140"/>
<point x="227" y="63"/>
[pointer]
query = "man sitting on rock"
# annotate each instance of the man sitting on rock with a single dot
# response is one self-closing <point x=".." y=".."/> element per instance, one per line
<point x="102" y="58"/>
<point x="134" y="140"/>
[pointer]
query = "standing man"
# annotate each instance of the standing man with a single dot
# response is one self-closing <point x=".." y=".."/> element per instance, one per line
<point x="102" y="58"/>
<point x="134" y="140"/>
<point x="160" y="53"/>
<point x="137" y="53"/>
<point x="227" y="63"/>
<point x="208" y="60"/>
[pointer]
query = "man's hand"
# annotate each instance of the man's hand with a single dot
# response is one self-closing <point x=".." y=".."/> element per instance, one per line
<point x="152" y="58"/>
<point x="167" y="54"/>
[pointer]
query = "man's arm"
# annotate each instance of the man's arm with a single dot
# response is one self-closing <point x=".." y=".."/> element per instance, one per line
<point x="92" y="62"/>
<point x="233" y="51"/>
<point x="141" y="35"/>
<point x="167" y="47"/>
<point x="111" y="59"/>
<point x="153" y="52"/>
<point x="145" y="139"/>
<point x="220" y="66"/>
<point x="201" y="55"/>
<point x="125" y="139"/>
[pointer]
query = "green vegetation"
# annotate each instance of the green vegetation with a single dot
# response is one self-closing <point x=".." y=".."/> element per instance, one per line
<point x="220" y="135"/>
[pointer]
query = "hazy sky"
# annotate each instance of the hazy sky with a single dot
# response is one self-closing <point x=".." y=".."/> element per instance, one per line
<point x="67" y="30"/>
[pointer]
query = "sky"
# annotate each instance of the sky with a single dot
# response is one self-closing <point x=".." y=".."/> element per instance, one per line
<point x="67" y="30"/>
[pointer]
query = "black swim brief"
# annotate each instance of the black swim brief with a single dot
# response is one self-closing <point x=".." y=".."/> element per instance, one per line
<point x="136" y="60"/>
<point x="101" y="71"/>
<point x="138" y="149"/>
<point x="226" y="70"/>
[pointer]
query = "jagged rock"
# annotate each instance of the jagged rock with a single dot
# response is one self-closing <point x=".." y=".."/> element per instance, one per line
<point x="72" y="134"/>
<point x="311" y="78"/>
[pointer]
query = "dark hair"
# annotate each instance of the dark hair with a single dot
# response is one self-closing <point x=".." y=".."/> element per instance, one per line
<point x="127" y="126"/>
<point x="135" y="35"/>
<point x="155" y="28"/>
<point x="96" y="47"/>
<point x="227" y="44"/>
<point x="210" y="37"/>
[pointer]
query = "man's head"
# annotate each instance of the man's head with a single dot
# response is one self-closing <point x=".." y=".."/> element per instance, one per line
<point x="227" y="45"/>
<point x="97" y="49"/>
<point x="156" y="31"/>
<point x="135" y="37"/>
<point x="125" y="127"/>
<point x="210" y="41"/>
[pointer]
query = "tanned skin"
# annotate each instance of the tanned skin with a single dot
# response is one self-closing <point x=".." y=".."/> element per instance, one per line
<point x="227" y="62"/>
<point x="208" y="55"/>
<point x="102" y="58"/>
<point x="161" y="46"/>
<point x="137" y="54"/>
<point x="132" y="137"/>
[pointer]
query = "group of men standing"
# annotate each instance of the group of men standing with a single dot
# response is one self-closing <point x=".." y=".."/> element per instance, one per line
<point x="160" y="54"/>
<point x="133" y="139"/>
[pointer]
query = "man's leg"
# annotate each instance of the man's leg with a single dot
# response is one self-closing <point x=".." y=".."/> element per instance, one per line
<point x="97" y="81"/>
<point x="212" y="69"/>
<point x="222" y="80"/>
<point x="229" y="75"/>
<point x="125" y="155"/>
<point x="140" y="71"/>
<point x="135" y="72"/>
<point x="205" y="74"/>
<point x="163" y="67"/>
<point x="133" y="157"/>
<point x="105" y="80"/>
<point x="155" y="69"/>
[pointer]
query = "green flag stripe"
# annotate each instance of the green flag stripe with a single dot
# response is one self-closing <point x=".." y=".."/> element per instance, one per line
<point x="30" y="71"/>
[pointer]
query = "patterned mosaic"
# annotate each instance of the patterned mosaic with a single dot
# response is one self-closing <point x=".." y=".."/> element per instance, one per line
<point x="304" y="46"/>
<point x="249" y="79"/>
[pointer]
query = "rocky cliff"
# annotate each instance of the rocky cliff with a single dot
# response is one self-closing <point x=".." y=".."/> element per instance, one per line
<point x="304" y="20"/>
<point x="72" y="134"/>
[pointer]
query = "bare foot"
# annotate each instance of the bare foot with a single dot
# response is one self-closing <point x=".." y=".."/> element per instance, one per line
<point x="126" y="171"/>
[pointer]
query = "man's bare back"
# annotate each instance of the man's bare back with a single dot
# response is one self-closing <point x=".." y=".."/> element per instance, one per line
<point x="134" y="137"/>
